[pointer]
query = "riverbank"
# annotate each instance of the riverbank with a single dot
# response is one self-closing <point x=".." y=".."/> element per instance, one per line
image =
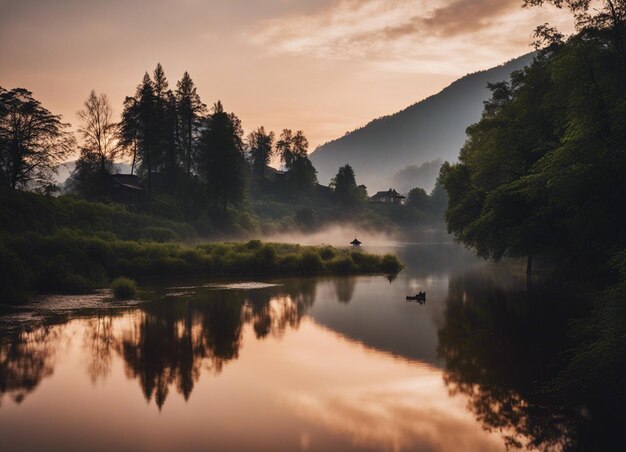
<point x="68" y="262"/>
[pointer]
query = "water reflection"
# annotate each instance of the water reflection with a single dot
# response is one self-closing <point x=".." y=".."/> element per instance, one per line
<point x="504" y="349"/>
<point x="27" y="356"/>
<point x="330" y="363"/>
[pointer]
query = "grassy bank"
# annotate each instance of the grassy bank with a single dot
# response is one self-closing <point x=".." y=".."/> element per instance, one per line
<point x="66" y="261"/>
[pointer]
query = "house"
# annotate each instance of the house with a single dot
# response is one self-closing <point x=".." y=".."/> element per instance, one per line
<point x="125" y="188"/>
<point x="387" y="197"/>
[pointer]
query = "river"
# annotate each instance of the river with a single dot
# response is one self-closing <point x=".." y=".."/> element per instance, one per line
<point x="330" y="363"/>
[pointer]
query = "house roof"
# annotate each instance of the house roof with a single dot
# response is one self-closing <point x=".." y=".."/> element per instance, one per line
<point x="391" y="193"/>
<point x="129" y="181"/>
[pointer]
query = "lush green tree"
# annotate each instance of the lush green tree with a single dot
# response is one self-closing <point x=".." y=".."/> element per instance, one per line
<point x="418" y="198"/>
<point x="260" y="148"/>
<point x="220" y="160"/>
<point x="32" y="140"/>
<point x="544" y="170"/>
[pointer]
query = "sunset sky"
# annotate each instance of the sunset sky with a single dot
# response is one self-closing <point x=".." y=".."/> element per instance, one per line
<point x="323" y="66"/>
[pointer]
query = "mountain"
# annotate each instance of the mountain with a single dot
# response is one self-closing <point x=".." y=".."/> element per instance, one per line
<point x="433" y="129"/>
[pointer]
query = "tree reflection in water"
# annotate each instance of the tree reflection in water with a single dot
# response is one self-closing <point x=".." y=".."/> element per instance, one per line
<point x="344" y="287"/>
<point x="170" y="341"/>
<point x="27" y="356"/>
<point x="504" y="350"/>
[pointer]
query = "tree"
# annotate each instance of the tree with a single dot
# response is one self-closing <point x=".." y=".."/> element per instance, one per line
<point x="544" y="170"/>
<point x="190" y="109"/>
<point x="344" y="186"/>
<point x="165" y="128"/>
<point x="293" y="149"/>
<point x="303" y="176"/>
<point x="589" y="15"/>
<point x="137" y="129"/>
<point x="99" y="135"/>
<point x="32" y="140"/>
<point x="260" y="148"/>
<point x="86" y="179"/>
<point x="418" y="198"/>
<point x="220" y="160"/>
<point x="291" y="146"/>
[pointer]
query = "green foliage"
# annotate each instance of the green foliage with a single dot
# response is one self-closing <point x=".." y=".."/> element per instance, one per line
<point x="124" y="288"/>
<point x="76" y="246"/>
<point x="390" y="264"/>
<point x="544" y="171"/>
<point x="418" y="199"/>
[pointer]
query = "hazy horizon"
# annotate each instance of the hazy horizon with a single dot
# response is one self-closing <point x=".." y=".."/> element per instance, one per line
<point x="325" y="67"/>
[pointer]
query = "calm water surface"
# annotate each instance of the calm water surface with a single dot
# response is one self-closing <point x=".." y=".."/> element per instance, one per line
<point x="335" y="363"/>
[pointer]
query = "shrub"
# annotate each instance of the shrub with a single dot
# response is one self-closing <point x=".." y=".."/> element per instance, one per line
<point x="311" y="262"/>
<point x="390" y="264"/>
<point x="159" y="234"/>
<point x="343" y="264"/>
<point x="328" y="252"/>
<point x="124" y="288"/>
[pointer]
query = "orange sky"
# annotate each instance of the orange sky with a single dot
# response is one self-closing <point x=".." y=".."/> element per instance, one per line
<point x="323" y="66"/>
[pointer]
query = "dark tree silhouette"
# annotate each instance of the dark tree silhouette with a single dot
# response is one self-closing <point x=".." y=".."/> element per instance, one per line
<point x="344" y="186"/>
<point x="138" y="129"/>
<point x="260" y="148"/>
<point x="190" y="109"/>
<point x="220" y="161"/>
<point x="32" y="140"/>
<point x="99" y="135"/>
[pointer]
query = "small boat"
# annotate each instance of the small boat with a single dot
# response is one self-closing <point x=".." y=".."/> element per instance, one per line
<point x="421" y="297"/>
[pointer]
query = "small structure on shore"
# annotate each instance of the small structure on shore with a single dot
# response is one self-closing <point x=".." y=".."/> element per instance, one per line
<point x="390" y="196"/>
<point x="126" y="188"/>
<point x="355" y="243"/>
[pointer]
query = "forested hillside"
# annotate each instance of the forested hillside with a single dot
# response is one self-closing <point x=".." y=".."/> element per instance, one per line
<point x="428" y="130"/>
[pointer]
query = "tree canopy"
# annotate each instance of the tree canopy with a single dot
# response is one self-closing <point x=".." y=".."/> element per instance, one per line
<point x="544" y="171"/>
<point x="32" y="140"/>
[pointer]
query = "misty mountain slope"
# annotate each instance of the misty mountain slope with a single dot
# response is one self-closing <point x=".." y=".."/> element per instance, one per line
<point x="428" y="130"/>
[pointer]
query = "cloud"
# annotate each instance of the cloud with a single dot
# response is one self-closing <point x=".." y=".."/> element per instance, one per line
<point x="436" y="36"/>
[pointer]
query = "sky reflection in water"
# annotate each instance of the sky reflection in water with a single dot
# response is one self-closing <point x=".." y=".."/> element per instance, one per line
<point x="331" y="363"/>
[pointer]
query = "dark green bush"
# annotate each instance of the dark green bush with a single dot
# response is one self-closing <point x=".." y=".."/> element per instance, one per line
<point x="124" y="288"/>
<point x="390" y="264"/>
<point x="328" y="252"/>
<point x="342" y="264"/>
<point x="311" y="262"/>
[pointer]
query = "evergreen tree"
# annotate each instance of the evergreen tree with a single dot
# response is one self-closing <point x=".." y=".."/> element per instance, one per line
<point x="344" y="186"/>
<point x="165" y="131"/>
<point x="190" y="110"/>
<point x="220" y="160"/>
<point x="137" y="130"/>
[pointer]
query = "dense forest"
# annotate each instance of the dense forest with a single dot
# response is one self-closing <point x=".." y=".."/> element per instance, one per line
<point x="193" y="176"/>
<point x="542" y="177"/>
<point x="191" y="164"/>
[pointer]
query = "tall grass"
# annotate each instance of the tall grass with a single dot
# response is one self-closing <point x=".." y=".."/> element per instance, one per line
<point x="69" y="262"/>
